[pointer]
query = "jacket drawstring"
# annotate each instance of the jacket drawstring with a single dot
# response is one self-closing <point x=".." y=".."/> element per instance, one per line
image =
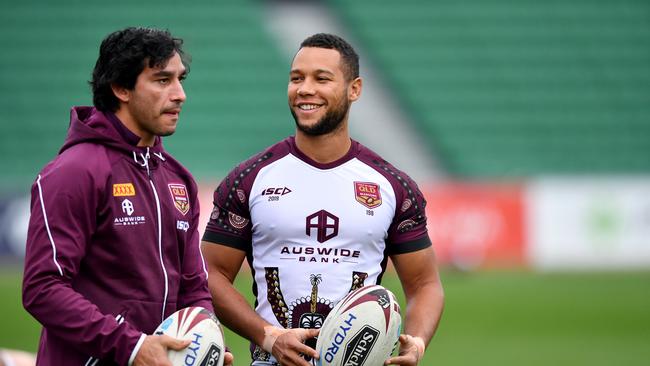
<point x="145" y="160"/>
<point x="160" y="156"/>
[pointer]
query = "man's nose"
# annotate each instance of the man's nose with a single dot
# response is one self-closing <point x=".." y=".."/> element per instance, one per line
<point x="178" y="93"/>
<point x="306" y="87"/>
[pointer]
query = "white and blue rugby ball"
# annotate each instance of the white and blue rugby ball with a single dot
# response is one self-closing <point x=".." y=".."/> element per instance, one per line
<point x="200" y="326"/>
<point x="362" y="329"/>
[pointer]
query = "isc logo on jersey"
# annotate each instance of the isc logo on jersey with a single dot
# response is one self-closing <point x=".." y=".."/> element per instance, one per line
<point x="276" y="191"/>
<point x="274" y="194"/>
<point x="182" y="225"/>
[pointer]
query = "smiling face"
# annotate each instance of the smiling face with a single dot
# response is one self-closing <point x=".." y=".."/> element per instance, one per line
<point x="153" y="106"/>
<point x="319" y="93"/>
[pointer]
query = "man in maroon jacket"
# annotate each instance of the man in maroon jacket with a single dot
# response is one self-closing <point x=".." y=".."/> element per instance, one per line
<point x="112" y="246"/>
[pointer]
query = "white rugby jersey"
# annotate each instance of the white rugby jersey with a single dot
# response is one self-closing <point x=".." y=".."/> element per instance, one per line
<point x="313" y="232"/>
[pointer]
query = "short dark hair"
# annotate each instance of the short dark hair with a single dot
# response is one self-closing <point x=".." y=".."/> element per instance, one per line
<point x="349" y="57"/>
<point x="122" y="57"/>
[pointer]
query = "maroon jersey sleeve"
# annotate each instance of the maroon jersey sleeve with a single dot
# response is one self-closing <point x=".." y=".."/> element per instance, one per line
<point x="408" y="230"/>
<point x="229" y="222"/>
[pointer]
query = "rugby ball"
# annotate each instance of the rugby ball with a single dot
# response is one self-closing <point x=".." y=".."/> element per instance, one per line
<point x="200" y="326"/>
<point x="362" y="329"/>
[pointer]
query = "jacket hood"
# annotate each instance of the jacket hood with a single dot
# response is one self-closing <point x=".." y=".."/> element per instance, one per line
<point x="87" y="124"/>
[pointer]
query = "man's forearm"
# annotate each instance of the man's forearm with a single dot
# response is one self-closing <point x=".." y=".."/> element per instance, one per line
<point x="424" y="310"/>
<point x="233" y="310"/>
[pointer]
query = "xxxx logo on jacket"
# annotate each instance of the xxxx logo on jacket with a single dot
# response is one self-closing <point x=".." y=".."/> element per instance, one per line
<point x="123" y="190"/>
<point x="180" y="197"/>
<point x="367" y="194"/>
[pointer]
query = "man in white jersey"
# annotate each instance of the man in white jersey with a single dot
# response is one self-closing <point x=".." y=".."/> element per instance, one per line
<point x="317" y="215"/>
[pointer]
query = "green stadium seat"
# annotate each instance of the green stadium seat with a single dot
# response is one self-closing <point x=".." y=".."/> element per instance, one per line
<point x="512" y="88"/>
<point x="236" y="89"/>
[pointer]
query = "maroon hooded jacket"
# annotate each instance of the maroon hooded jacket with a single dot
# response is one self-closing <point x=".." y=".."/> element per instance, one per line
<point x="112" y="246"/>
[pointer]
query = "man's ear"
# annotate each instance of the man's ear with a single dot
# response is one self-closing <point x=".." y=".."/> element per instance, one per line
<point x="354" y="91"/>
<point x="121" y="93"/>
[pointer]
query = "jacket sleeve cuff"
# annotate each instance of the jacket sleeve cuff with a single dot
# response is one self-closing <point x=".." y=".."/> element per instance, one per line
<point x="136" y="348"/>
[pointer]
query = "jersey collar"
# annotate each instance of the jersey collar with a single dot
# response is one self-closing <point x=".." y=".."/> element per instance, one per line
<point x="351" y="154"/>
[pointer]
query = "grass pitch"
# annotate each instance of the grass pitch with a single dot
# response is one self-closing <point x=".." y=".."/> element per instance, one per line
<point x="491" y="318"/>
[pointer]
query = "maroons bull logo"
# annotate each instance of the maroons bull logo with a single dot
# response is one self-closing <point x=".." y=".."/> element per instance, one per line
<point x="304" y="312"/>
<point x="367" y="194"/>
<point x="180" y="197"/>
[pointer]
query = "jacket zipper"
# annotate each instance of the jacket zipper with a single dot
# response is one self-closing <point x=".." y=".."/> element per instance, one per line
<point x="159" y="220"/>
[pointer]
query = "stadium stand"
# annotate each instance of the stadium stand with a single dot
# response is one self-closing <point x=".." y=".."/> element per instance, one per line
<point x="500" y="88"/>
<point x="517" y="88"/>
<point x="236" y="89"/>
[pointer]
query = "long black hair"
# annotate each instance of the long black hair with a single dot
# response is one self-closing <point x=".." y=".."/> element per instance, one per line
<point x="122" y="57"/>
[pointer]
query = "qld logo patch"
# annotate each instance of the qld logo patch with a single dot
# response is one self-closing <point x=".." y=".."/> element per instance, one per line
<point x="180" y="197"/>
<point x="123" y="190"/>
<point x="367" y="194"/>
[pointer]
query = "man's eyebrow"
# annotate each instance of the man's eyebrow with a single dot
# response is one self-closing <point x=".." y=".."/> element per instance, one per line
<point x="163" y="73"/>
<point x="167" y="73"/>
<point x="318" y="71"/>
